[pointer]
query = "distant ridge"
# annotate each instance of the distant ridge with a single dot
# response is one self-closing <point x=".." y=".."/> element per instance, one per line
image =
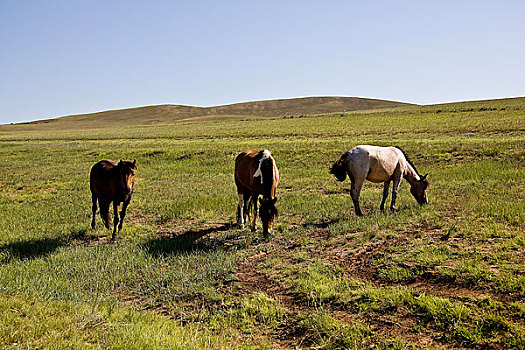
<point x="305" y="105"/>
<point x="168" y="114"/>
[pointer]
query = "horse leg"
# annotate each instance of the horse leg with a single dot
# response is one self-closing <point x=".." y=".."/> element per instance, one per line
<point x="115" y="220"/>
<point x="240" y="211"/>
<point x="395" y="187"/>
<point x="247" y="204"/>
<point x="385" y="194"/>
<point x="355" y="190"/>
<point x="104" y="211"/>
<point x="254" y="203"/>
<point x="123" y="213"/>
<point x="93" y="208"/>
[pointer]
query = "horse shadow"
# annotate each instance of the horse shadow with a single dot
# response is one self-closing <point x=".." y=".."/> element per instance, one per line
<point x="322" y="224"/>
<point x="39" y="247"/>
<point x="189" y="241"/>
<point x="85" y="236"/>
<point x="30" y="249"/>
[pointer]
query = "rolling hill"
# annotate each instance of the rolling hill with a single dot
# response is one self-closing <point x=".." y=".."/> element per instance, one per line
<point x="168" y="114"/>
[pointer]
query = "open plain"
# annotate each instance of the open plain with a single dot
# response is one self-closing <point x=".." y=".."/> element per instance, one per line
<point x="449" y="275"/>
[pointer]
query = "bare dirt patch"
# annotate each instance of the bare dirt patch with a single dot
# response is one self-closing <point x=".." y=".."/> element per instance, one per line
<point x="359" y="263"/>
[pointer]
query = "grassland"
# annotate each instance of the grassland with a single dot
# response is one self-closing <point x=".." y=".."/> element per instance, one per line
<point x="448" y="275"/>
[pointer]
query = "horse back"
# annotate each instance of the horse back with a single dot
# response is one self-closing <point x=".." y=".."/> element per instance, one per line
<point x="376" y="164"/>
<point x="246" y="165"/>
<point x="103" y="180"/>
<point x="246" y="173"/>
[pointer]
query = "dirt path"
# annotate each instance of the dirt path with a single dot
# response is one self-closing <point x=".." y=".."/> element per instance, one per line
<point x="358" y="265"/>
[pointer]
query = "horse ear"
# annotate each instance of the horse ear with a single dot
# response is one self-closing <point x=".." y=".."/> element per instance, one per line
<point x="120" y="162"/>
<point x="424" y="177"/>
<point x="134" y="162"/>
<point x="274" y="200"/>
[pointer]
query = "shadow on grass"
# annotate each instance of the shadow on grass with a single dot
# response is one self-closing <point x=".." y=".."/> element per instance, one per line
<point x="40" y="247"/>
<point x="319" y="224"/>
<point x="186" y="242"/>
<point x="337" y="191"/>
<point x="30" y="249"/>
<point x="87" y="236"/>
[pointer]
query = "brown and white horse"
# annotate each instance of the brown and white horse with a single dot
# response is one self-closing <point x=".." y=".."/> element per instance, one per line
<point x="379" y="164"/>
<point x="256" y="174"/>
<point x="111" y="182"/>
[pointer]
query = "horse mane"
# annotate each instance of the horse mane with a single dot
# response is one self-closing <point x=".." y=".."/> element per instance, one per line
<point x="408" y="160"/>
<point x="266" y="166"/>
<point x="124" y="163"/>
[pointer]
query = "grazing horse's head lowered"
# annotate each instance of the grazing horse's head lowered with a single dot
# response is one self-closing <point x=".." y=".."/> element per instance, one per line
<point x="127" y="176"/>
<point x="268" y="212"/>
<point x="418" y="189"/>
<point x="256" y="174"/>
<point x="379" y="164"/>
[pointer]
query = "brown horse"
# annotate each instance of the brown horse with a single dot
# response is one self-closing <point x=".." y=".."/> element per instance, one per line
<point x="379" y="164"/>
<point x="111" y="182"/>
<point x="256" y="174"/>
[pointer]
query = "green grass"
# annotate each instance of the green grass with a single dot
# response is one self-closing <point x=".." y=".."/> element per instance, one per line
<point x="451" y="272"/>
<point x="66" y="325"/>
<point x="463" y="321"/>
<point x="327" y="332"/>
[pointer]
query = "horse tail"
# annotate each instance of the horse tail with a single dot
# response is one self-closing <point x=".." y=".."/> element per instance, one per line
<point x="91" y="187"/>
<point x="238" y="156"/>
<point x="339" y="168"/>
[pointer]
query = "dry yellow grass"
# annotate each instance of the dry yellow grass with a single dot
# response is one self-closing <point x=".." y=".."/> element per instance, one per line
<point x="169" y="114"/>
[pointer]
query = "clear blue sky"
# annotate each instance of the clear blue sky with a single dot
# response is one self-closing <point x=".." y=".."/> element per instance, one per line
<point x="74" y="56"/>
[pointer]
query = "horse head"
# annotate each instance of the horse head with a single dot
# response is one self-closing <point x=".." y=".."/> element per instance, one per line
<point x="419" y="190"/>
<point x="127" y="176"/>
<point x="268" y="212"/>
<point x="338" y="169"/>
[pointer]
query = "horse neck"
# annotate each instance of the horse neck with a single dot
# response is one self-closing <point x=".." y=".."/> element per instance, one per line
<point x="411" y="174"/>
<point x="116" y="172"/>
<point x="268" y="179"/>
<point x="115" y="177"/>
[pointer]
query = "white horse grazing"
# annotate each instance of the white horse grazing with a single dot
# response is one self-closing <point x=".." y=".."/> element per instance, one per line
<point x="379" y="164"/>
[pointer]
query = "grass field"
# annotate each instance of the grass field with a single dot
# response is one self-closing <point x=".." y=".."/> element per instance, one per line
<point x="181" y="275"/>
